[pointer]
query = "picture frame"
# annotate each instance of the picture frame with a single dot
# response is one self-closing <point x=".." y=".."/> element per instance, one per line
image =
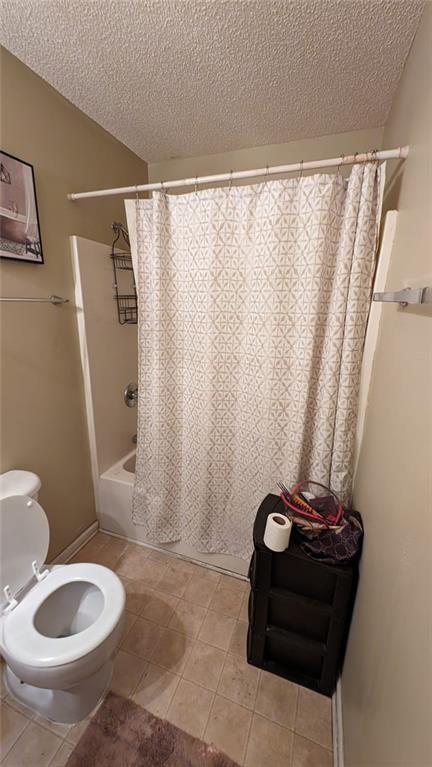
<point x="20" y="236"/>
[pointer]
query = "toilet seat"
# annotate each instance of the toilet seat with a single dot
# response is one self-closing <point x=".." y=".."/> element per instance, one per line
<point x="27" y="645"/>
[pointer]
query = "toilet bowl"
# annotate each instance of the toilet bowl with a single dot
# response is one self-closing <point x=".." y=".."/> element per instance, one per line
<point x="59" y="626"/>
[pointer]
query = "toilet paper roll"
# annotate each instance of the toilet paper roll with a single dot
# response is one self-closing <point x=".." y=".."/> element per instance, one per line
<point x="277" y="532"/>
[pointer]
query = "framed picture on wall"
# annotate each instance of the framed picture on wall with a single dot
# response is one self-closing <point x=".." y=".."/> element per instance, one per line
<point x="20" y="236"/>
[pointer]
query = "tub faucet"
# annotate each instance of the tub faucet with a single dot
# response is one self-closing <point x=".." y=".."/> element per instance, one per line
<point x="130" y="395"/>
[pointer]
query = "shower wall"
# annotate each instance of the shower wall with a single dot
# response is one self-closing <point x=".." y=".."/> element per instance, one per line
<point x="108" y="356"/>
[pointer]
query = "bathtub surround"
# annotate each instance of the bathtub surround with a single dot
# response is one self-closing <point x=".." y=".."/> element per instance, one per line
<point x="232" y="395"/>
<point x="115" y="490"/>
<point x="108" y="356"/>
<point x="43" y="417"/>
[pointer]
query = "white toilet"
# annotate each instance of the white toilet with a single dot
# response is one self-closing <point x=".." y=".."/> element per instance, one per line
<point x="59" y="627"/>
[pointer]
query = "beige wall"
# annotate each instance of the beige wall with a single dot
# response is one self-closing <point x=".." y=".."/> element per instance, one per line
<point x="275" y="154"/>
<point x="43" y="418"/>
<point x="387" y="679"/>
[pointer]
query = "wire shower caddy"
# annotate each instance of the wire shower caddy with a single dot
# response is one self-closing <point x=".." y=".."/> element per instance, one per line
<point x="127" y="303"/>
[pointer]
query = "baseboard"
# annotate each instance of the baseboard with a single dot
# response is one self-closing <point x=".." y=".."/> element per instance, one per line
<point x="76" y="545"/>
<point x="337" y="720"/>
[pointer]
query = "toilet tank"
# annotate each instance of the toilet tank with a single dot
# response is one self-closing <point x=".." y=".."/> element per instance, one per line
<point x="19" y="482"/>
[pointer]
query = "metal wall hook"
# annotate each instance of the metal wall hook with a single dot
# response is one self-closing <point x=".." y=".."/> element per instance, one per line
<point x="405" y="296"/>
<point x="53" y="299"/>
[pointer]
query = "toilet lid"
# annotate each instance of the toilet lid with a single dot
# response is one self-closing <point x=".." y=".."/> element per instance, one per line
<point x="24" y="539"/>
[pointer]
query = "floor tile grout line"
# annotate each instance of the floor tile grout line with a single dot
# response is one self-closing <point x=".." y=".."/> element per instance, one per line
<point x="195" y="639"/>
<point x="141" y="677"/>
<point x="42" y="721"/>
<point x="170" y="558"/>
<point x="296" y="732"/>
<point x="297" y="706"/>
<point x="174" y="556"/>
<point x="203" y="688"/>
<point x="54" y="755"/>
<point x="221" y="672"/>
<point x="226" y="697"/>
<point x="210" y="713"/>
<point x="157" y="587"/>
<point x="29" y="721"/>
<point x="18" y="707"/>
<point x="156" y="584"/>
<point x="242" y="705"/>
<point x="275" y="721"/>
<point x="313" y="742"/>
<point x="295" y="723"/>
<point x="252" y="718"/>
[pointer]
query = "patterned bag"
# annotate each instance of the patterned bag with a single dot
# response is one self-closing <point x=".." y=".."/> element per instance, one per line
<point x="322" y="528"/>
<point x="336" y="545"/>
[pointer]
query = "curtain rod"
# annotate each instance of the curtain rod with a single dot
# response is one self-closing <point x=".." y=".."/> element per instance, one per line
<point x="387" y="154"/>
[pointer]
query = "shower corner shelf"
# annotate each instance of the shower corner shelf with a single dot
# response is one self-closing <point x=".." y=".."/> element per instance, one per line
<point x="127" y="308"/>
<point x="127" y="304"/>
<point x="122" y="261"/>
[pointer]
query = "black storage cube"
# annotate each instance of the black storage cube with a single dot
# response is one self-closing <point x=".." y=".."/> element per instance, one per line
<point x="307" y="618"/>
<point x="299" y="611"/>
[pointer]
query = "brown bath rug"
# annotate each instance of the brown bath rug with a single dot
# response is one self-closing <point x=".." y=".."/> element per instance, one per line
<point x="122" y="734"/>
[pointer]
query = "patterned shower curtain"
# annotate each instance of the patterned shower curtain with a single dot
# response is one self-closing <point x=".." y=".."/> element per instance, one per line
<point x="253" y="304"/>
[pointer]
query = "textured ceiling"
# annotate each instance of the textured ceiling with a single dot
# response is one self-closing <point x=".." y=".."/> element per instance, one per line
<point x="190" y="77"/>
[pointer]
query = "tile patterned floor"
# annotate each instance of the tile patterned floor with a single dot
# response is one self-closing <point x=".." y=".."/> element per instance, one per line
<point x="182" y="656"/>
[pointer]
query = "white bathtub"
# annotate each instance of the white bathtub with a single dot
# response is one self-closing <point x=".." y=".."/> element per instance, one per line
<point x="115" y="516"/>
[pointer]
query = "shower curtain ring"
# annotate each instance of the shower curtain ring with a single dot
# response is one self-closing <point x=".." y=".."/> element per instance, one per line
<point x="230" y="181"/>
<point x="136" y="192"/>
<point x="196" y="184"/>
<point x="340" y="164"/>
<point x="301" y="169"/>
